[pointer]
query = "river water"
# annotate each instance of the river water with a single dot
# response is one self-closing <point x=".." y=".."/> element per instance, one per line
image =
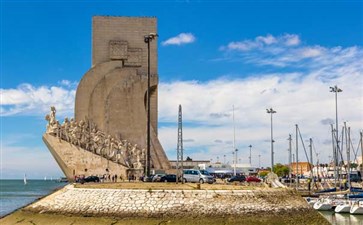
<point x="342" y="218"/>
<point x="15" y="194"/>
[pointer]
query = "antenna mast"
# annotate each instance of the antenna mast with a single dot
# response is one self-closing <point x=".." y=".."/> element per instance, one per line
<point x="179" y="149"/>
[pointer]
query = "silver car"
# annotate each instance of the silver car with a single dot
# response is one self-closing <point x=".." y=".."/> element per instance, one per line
<point x="201" y="176"/>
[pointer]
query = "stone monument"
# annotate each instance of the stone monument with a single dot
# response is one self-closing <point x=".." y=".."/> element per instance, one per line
<point x="108" y="133"/>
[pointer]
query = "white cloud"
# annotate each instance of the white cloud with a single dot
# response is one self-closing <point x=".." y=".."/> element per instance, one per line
<point x="180" y="39"/>
<point x="28" y="99"/>
<point x="287" y="51"/>
<point x="269" y="39"/>
<point x="262" y="42"/>
<point x="298" y="98"/>
<point x="292" y="39"/>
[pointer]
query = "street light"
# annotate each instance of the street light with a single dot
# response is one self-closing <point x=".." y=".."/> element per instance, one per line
<point x="250" y="154"/>
<point x="259" y="161"/>
<point x="147" y="39"/>
<point x="271" y="111"/>
<point x="335" y="89"/>
<point x="235" y="161"/>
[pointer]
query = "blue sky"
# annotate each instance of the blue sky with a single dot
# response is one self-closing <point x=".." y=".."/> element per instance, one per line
<point x="212" y="55"/>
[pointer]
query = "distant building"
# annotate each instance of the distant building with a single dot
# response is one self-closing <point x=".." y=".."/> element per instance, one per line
<point x="303" y="168"/>
<point x="189" y="163"/>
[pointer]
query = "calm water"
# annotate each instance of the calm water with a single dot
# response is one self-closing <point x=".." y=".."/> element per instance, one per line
<point x="14" y="194"/>
<point x="342" y="218"/>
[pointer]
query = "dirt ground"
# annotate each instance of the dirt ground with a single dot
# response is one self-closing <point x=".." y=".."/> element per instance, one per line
<point x="22" y="217"/>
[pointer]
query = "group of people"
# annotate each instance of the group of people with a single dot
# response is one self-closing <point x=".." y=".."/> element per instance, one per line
<point x="102" y="178"/>
<point x="87" y="136"/>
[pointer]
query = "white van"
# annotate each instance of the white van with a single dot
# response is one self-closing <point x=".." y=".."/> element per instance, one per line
<point x="201" y="176"/>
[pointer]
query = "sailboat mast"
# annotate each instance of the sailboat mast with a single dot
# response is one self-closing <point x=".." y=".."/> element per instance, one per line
<point x="297" y="157"/>
<point x="290" y="163"/>
<point x="348" y="154"/>
<point x="311" y="158"/>
<point x="334" y="155"/>
<point x="361" y="148"/>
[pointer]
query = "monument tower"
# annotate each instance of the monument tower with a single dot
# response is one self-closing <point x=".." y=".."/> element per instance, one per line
<point x="112" y="94"/>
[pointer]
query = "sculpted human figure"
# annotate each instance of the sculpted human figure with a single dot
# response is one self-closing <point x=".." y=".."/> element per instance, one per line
<point x="52" y="116"/>
<point x="134" y="150"/>
<point x="107" y="145"/>
<point x="92" y="143"/>
<point x="52" y="122"/>
<point x="137" y="164"/>
<point x="81" y="132"/>
<point x="65" y="130"/>
<point x="99" y="142"/>
<point x="58" y="129"/>
<point x="113" y="149"/>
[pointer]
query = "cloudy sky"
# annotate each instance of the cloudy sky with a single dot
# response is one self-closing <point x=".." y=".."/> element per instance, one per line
<point x="213" y="56"/>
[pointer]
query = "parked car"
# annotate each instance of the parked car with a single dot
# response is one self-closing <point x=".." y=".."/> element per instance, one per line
<point x="157" y="177"/>
<point x="168" y="178"/>
<point x="238" y="178"/>
<point x="90" y="179"/>
<point x="355" y="178"/>
<point x="201" y="176"/>
<point x="252" y="179"/>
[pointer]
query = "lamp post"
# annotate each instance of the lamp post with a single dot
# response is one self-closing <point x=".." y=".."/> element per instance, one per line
<point x="250" y="154"/>
<point x="147" y="39"/>
<point x="259" y="161"/>
<point x="335" y="89"/>
<point x="271" y="111"/>
<point x="224" y="159"/>
<point x="235" y="162"/>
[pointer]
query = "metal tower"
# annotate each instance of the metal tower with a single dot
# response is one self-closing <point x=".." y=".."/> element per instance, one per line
<point x="179" y="149"/>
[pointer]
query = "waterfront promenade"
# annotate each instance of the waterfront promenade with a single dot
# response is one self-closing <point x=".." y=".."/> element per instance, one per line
<point x="150" y="203"/>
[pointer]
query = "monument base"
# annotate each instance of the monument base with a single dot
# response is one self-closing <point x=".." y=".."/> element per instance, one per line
<point x="75" y="161"/>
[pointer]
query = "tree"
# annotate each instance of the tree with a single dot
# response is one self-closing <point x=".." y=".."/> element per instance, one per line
<point x="263" y="173"/>
<point x="281" y="170"/>
<point x="354" y="165"/>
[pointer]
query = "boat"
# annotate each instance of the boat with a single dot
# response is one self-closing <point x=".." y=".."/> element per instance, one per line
<point x="63" y="179"/>
<point x="324" y="204"/>
<point x="326" y="191"/>
<point x="357" y="208"/>
<point x="25" y="182"/>
<point x="356" y="195"/>
<point x="311" y="201"/>
<point x="343" y="207"/>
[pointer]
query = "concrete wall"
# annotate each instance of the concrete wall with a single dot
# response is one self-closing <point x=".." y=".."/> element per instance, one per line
<point x="173" y="203"/>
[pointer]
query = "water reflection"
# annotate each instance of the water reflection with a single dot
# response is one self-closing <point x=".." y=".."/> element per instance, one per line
<point x="342" y="218"/>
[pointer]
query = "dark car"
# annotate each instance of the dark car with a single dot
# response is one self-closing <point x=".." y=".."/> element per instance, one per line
<point x="168" y="178"/>
<point x="239" y="178"/>
<point x="355" y="178"/>
<point x="148" y="178"/>
<point x="253" y="179"/>
<point x="90" y="179"/>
